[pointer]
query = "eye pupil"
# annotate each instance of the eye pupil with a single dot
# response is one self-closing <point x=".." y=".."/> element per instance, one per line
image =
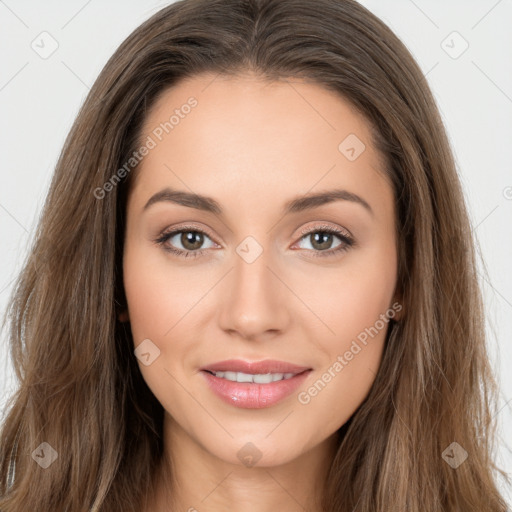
<point x="187" y="240"/>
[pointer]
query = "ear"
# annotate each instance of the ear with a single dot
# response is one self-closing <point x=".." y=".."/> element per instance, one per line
<point x="398" y="306"/>
<point x="124" y="316"/>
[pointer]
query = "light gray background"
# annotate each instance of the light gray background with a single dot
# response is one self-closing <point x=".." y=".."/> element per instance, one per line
<point x="39" y="99"/>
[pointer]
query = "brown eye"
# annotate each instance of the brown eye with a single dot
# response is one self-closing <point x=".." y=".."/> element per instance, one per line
<point x="184" y="242"/>
<point x="322" y="239"/>
<point x="191" y="240"/>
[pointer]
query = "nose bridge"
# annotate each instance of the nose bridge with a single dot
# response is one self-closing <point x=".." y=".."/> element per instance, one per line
<point x="254" y="299"/>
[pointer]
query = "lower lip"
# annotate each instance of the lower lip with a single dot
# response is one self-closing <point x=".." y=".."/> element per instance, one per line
<point x="251" y="395"/>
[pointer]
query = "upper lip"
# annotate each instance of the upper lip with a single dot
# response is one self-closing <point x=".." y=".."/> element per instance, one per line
<point x="255" y="367"/>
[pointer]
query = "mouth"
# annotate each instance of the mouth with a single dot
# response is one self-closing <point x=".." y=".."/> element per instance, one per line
<point x="254" y="385"/>
<point x="259" y="378"/>
<point x="255" y="367"/>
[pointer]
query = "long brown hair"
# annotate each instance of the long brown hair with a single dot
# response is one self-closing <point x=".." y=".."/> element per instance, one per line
<point x="80" y="388"/>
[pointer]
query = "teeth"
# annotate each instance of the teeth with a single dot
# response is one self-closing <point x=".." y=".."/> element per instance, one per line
<point x="263" y="378"/>
<point x="260" y="378"/>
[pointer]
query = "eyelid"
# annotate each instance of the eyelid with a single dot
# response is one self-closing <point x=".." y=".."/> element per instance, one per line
<point x="318" y="227"/>
<point x="188" y="227"/>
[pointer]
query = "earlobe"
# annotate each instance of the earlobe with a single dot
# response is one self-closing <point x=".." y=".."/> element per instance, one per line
<point x="398" y="316"/>
<point x="398" y="307"/>
<point x="124" y="316"/>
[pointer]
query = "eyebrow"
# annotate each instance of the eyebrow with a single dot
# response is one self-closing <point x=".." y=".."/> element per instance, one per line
<point x="298" y="204"/>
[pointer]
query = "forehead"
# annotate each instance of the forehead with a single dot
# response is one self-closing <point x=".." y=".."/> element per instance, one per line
<point x="304" y="107"/>
<point x="246" y="135"/>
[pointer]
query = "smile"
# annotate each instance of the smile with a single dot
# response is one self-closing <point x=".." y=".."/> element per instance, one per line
<point x="259" y="378"/>
<point x="253" y="391"/>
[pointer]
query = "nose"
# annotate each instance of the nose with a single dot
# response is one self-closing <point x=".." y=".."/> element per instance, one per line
<point x="255" y="299"/>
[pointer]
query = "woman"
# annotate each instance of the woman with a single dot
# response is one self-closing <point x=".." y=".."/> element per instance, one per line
<point x="254" y="281"/>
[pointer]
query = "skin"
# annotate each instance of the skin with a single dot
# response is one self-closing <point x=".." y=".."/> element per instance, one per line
<point x="253" y="145"/>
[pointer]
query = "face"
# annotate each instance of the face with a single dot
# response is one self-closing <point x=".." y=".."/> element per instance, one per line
<point x="285" y="273"/>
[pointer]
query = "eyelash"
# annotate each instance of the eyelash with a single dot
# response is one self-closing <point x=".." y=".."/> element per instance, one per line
<point x="347" y="241"/>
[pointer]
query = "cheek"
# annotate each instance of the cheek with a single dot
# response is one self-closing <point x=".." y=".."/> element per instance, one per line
<point x="356" y="307"/>
<point x="351" y="298"/>
<point x="159" y="298"/>
<point x="159" y="294"/>
<point x="352" y="359"/>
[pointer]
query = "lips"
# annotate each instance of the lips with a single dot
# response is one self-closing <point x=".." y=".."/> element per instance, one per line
<point x="254" y="385"/>
<point x="256" y="367"/>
